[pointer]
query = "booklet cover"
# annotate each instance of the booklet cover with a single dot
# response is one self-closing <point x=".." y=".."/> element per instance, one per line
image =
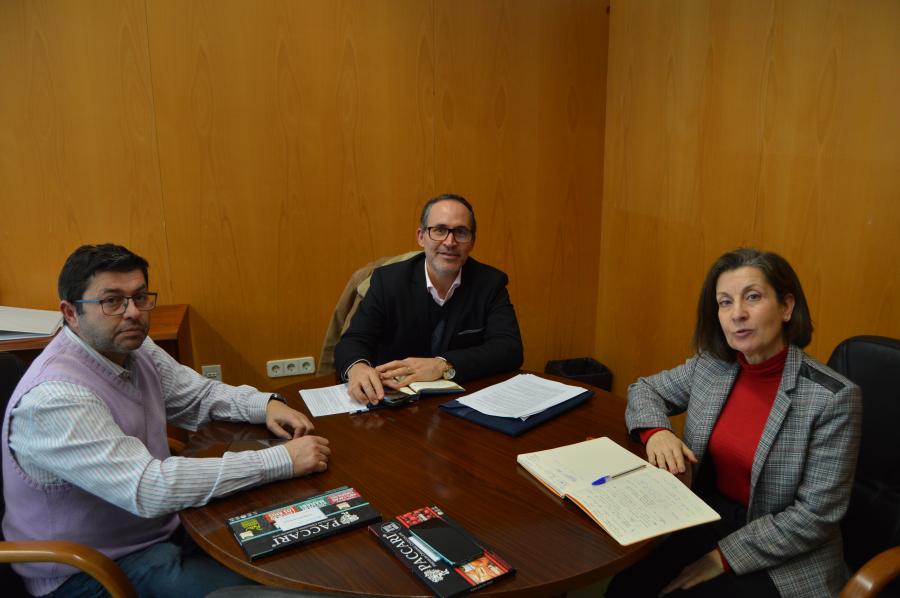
<point x="299" y="522"/>
<point x="433" y="387"/>
<point x="513" y="426"/>
<point x="442" y="578"/>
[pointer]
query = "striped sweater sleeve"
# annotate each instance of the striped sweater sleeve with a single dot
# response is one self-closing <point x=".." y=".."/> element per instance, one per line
<point x="62" y="432"/>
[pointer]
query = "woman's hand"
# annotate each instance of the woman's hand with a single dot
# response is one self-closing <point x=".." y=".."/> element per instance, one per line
<point x="667" y="451"/>
<point x="703" y="569"/>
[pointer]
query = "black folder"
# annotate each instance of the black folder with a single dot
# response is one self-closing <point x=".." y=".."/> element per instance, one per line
<point x="514" y="426"/>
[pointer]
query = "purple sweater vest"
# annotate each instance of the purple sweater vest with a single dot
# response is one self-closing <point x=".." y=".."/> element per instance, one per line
<point x="65" y="511"/>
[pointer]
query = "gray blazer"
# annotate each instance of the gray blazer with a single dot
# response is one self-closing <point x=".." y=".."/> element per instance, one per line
<point x="802" y="470"/>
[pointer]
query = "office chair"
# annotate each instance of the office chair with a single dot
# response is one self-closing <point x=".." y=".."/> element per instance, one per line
<point x="871" y="528"/>
<point x="349" y="301"/>
<point x="82" y="557"/>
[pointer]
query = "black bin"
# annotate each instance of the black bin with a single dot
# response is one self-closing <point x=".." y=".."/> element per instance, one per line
<point x="581" y="369"/>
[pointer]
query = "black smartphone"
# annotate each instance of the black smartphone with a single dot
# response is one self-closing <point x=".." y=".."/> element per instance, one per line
<point x="396" y="398"/>
<point x="451" y="544"/>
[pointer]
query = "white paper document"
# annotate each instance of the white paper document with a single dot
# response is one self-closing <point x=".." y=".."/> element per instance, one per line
<point x="520" y="396"/>
<point x="330" y="400"/>
<point x="21" y="322"/>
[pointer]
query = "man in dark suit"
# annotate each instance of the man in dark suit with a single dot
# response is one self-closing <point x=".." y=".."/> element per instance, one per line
<point x="437" y="315"/>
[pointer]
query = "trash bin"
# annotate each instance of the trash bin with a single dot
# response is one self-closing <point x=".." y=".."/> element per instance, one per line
<point x="582" y="369"/>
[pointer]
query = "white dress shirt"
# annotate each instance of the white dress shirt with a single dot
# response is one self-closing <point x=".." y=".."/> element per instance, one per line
<point x="62" y="432"/>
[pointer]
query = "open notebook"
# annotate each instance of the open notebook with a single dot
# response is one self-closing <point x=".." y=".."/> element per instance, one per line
<point x="431" y="387"/>
<point x="645" y="503"/>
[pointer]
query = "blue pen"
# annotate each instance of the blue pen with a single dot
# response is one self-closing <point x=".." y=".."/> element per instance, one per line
<point x="367" y="408"/>
<point x="607" y="478"/>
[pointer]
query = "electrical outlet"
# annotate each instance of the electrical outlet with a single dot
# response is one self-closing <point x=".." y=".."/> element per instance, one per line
<point x="296" y="366"/>
<point x="213" y="372"/>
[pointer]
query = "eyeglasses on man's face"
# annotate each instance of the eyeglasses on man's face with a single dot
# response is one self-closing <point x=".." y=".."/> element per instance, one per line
<point x="440" y="232"/>
<point x="116" y="305"/>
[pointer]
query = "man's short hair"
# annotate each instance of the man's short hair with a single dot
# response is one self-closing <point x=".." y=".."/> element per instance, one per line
<point x="708" y="335"/>
<point x="87" y="260"/>
<point x="423" y="222"/>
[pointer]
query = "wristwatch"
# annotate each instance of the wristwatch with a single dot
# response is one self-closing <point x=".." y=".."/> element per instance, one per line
<point x="277" y="397"/>
<point x="449" y="371"/>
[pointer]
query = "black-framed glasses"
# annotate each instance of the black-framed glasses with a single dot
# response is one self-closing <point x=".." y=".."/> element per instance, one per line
<point x="116" y="305"/>
<point x="440" y="232"/>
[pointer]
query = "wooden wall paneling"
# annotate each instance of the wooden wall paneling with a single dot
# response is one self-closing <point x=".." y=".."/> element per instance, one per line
<point x="518" y="130"/>
<point x="854" y="254"/>
<point x="257" y="153"/>
<point x="665" y="97"/>
<point x="296" y="146"/>
<point x="77" y="142"/>
<point x="761" y="124"/>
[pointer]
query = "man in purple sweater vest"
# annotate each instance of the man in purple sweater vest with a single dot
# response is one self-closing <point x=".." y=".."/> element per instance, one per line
<point x="84" y="449"/>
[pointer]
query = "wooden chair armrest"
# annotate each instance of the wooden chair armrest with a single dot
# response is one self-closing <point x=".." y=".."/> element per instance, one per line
<point x="94" y="563"/>
<point x="874" y="575"/>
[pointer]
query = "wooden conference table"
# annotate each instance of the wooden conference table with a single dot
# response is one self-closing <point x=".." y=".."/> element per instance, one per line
<point x="414" y="456"/>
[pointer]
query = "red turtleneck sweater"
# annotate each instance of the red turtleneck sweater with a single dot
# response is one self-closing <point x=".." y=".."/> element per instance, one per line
<point x="736" y="434"/>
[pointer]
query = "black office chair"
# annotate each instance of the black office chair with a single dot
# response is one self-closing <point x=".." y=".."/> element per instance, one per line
<point x="872" y="525"/>
<point x="92" y="562"/>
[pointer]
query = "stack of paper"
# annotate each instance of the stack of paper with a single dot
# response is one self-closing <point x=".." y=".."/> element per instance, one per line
<point x="329" y="400"/>
<point x="521" y="396"/>
<point x="20" y="322"/>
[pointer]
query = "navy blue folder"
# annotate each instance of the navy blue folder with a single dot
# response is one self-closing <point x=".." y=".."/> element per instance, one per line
<point x="513" y="426"/>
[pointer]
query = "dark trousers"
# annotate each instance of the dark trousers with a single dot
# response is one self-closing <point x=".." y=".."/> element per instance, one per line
<point x="649" y="576"/>
<point x="177" y="567"/>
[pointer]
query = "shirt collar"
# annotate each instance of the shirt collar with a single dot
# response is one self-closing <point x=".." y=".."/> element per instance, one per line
<point x="113" y="367"/>
<point x="433" y="291"/>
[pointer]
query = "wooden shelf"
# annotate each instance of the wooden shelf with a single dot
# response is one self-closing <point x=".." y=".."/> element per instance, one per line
<point x="169" y="328"/>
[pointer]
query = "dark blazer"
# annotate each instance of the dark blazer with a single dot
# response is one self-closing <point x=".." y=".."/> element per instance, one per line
<point x="481" y="335"/>
<point x="802" y="470"/>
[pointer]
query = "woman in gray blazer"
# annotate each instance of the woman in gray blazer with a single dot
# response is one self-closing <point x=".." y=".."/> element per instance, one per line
<point x="772" y="436"/>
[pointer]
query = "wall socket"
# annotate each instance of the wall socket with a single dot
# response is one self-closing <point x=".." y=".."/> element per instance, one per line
<point x="213" y="372"/>
<point x="297" y="366"/>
